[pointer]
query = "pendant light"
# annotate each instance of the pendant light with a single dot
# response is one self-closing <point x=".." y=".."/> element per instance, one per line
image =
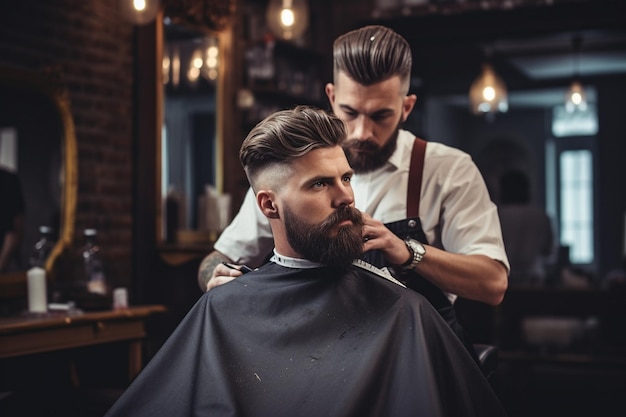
<point x="575" y="98"/>
<point x="488" y="93"/>
<point x="288" y="19"/>
<point x="139" y="12"/>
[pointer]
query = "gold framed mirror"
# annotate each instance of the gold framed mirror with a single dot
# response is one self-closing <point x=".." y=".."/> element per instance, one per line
<point x="39" y="145"/>
<point x="191" y="101"/>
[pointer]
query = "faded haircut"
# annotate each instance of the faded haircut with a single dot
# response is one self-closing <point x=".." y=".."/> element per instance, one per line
<point x="372" y="54"/>
<point x="285" y="136"/>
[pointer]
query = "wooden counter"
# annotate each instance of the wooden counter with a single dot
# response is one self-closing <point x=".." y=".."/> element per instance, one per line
<point x="27" y="335"/>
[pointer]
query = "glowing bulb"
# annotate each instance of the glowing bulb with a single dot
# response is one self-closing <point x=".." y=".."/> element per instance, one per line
<point x="139" y="5"/>
<point x="212" y="51"/>
<point x="575" y="98"/>
<point x="211" y="62"/>
<point x="193" y="74"/>
<point x="139" y="12"/>
<point x="287" y="18"/>
<point x="489" y="93"/>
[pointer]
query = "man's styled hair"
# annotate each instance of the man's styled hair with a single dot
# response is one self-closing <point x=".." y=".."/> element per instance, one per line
<point x="286" y="135"/>
<point x="372" y="54"/>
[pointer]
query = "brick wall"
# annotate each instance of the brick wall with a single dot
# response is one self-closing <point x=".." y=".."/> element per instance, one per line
<point x="93" y="49"/>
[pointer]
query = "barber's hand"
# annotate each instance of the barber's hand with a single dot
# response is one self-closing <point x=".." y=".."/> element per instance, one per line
<point x="377" y="236"/>
<point x="221" y="275"/>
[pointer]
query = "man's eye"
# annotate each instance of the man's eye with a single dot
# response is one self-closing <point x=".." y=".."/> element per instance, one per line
<point x="319" y="184"/>
<point x="380" y="117"/>
<point x="347" y="179"/>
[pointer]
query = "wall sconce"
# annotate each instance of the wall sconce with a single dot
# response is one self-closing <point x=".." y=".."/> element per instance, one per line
<point x="288" y="19"/>
<point x="488" y="93"/>
<point x="575" y="98"/>
<point x="139" y="12"/>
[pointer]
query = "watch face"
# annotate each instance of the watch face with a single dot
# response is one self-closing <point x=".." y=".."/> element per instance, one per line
<point x="417" y="247"/>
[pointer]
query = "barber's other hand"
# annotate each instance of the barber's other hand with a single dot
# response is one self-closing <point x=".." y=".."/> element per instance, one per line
<point x="377" y="236"/>
<point x="221" y="275"/>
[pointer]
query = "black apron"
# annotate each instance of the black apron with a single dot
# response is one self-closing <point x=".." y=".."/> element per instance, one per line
<point x="411" y="227"/>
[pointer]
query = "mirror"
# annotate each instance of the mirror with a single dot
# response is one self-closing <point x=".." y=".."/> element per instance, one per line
<point x="191" y="139"/>
<point x="38" y="144"/>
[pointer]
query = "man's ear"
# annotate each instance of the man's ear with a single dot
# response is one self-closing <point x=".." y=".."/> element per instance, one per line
<point x="266" y="200"/>
<point x="408" y="103"/>
<point x="330" y="93"/>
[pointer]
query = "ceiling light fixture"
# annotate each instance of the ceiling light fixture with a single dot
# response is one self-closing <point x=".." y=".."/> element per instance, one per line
<point x="575" y="98"/>
<point x="288" y="19"/>
<point x="139" y="12"/>
<point x="488" y="93"/>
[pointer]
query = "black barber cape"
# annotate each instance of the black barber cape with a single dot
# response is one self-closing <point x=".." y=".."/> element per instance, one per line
<point x="322" y="342"/>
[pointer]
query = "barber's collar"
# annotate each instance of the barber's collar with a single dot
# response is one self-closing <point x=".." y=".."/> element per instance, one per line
<point x="403" y="149"/>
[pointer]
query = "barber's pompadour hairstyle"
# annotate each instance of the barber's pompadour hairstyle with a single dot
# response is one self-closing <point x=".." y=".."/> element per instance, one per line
<point x="287" y="135"/>
<point x="372" y="54"/>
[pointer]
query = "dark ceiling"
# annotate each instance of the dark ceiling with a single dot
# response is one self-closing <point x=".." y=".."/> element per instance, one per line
<point x="530" y="46"/>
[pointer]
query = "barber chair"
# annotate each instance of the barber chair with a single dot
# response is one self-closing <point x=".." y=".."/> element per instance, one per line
<point x="488" y="358"/>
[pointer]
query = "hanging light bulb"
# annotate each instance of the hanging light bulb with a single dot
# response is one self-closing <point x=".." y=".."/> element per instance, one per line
<point x="488" y="94"/>
<point x="139" y="12"/>
<point x="575" y="98"/>
<point x="288" y="19"/>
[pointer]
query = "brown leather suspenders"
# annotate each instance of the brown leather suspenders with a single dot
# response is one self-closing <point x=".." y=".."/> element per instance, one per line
<point x="414" y="189"/>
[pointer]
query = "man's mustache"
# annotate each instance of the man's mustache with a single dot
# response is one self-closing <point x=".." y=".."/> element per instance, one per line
<point x="342" y="214"/>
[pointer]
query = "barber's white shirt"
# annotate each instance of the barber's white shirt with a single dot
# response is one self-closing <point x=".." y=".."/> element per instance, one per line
<point x="455" y="209"/>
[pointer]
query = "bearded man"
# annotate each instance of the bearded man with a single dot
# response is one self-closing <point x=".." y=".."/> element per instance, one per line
<point x="314" y="332"/>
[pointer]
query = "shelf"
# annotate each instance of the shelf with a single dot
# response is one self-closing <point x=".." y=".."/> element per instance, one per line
<point x="180" y="253"/>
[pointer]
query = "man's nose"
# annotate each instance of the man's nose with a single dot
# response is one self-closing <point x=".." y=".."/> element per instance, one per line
<point x="344" y="195"/>
<point x="362" y="128"/>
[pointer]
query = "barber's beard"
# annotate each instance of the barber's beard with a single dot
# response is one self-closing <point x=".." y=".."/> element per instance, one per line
<point x="326" y="243"/>
<point x="366" y="156"/>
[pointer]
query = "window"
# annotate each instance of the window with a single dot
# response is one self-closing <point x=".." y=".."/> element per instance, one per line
<point x="570" y="180"/>
<point x="576" y="213"/>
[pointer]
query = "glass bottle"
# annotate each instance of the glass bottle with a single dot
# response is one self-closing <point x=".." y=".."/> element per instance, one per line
<point x="42" y="248"/>
<point x="95" y="278"/>
<point x="36" y="274"/>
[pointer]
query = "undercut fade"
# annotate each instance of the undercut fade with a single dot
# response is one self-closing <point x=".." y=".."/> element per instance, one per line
<point x="285" y="136"/>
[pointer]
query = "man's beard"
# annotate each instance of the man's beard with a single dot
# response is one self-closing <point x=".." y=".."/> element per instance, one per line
<point x="366" y="156"/>
<point x="326" y="243"/>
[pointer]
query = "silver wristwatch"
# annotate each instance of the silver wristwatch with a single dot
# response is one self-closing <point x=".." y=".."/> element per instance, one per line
<point x="417" y="251"/>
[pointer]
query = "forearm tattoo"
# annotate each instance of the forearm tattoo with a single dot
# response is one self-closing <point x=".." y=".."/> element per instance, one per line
<point x="206" y="269"/>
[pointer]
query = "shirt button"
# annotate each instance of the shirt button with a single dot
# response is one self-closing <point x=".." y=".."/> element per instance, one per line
<point x="412" y="223"/>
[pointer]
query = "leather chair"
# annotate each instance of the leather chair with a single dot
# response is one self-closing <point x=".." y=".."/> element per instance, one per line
<point x="488" y="358"/>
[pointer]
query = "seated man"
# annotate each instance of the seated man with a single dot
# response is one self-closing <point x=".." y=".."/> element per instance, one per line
<point x="311" y="333"/>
